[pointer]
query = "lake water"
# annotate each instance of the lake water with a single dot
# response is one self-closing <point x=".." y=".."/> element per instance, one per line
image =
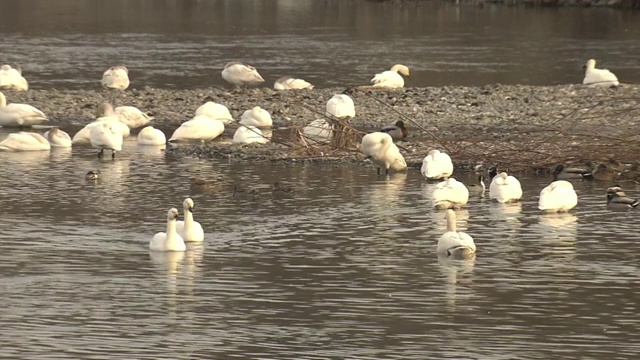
<point x="344" y="269"/>
<point x="185" y="44"/>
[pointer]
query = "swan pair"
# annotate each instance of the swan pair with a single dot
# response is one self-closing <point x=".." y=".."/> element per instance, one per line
<point x="436" y="165"/>
<point x="19" y="115"/>
<point x="598" y="77"/>
<point x="379" y="147"/>
<point x="116" y="77"/>
<point x="178" y="231"/>
<point x="391" y="78"/>
<point x="11" y="78"/>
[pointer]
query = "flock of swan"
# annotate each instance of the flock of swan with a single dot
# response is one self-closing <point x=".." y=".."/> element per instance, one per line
<point x="112" y="125"/>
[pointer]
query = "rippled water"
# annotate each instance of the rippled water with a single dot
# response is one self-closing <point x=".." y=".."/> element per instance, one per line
<point x="185" y="44"/>
<point x="344" y="269"/>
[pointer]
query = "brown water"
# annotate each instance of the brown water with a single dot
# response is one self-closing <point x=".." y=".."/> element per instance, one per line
<point x="185" y="44"/>
<point x="344" y="269"/>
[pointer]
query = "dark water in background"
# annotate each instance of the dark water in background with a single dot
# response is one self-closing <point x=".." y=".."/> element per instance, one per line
<point x="184" y="44"/>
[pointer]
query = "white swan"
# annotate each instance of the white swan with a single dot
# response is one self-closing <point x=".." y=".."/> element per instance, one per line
<point x="289" y="83"/>
<point x="170" y="240"/>
<point x="598" y="77"/>
<point x="19" y="115"/>
<point x="215" y="111"/>
<point x="24" y="141"/>
<point x="105" y="113"/>
<point x="341" y="105"/>
<point x="454" y="243"/>
<point x="132" y="116"/>
<point x="450" y="194"/>
<point x="248" y="135"/>
<point x="257" y="116"/>
<point x="12" y="79"/>
<point x="436" y="165"/>
<point x="559" y="196"/>
<point x="319" y="130"/>
<point x="105" y="135"/>
<point x="391" y="78"/>
<point x="188" y="229"/>
<point x="151" y="136"/>
<point x="199" y="128"/>
<point x="116" y="77"/>
<point x="379" y="147"/>
<point x="505" y="188"/>
<point x="240" y="74"/>
<point x="58" y="138"/>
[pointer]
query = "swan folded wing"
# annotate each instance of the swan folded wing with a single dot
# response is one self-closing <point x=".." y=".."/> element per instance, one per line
<point x="132" y="116"/>
<point x="21" y="115"/>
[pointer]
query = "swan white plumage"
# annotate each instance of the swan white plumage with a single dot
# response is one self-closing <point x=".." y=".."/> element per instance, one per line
<point x="12" y="79"/>
<point x="505" y="188"/>
<point x="391" y="78"/>
<point x="598" y="77"/>
<point x="289" y="83"/>
<point x="559" y="196"/>
<point x="341" y="105"/>
<point x="188" y="229"/>
<point x="106" y="136"/>
<point x="240" y="74"/>
<point x="19" y="115"/>
<point x="200" y="127"/>
<point x="105" y="113"/>
<point x="132" y="116"/>
<point x="319" y="130"/>
<point x="379" y="147"/>
<point x="24" y="141"/>
<point x="436" y="165"/>
<point x="169" y="240"/>
<point x="450" y="194"/>
<point x="58" y="138"/>
<point x="248" y="135"/>
<point x="151" y="136"/>
<point x="116" y="77"/>
<point x="215" y="111"/>
<point x="257" y="116"/>
<point x="454" y="243"/>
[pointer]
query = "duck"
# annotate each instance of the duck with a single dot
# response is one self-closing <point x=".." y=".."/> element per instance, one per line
<point x="289" y="83"/>
<point x="450" y="194"/>
<point x="598" y="77"/>
<point x="151" y="136"/>
<point x="479" y="185"/>
<point x="505" y="188"/>
<point x="605" y="173"/>
<point x="188" y="229"/>
<point x="257" y="117"/>
<point x="58" y="138"/>
<point x="319" y="130"/>
<point x="24" y="141"/>
<point x="116" y="77"/>
<point x="12" y="79"/>
<point x="341" y="106"/>
<point x="277" y="189"/>
<point x="398" y="131"/>
<point x="559" y="196"/>
<point x="562" y="172"/>
<point x="240" y="74"/>
<point x="132" y="116"/>
<point x="169" y="240"/>
<point x="19" y="115"/>
<point x="215" y="111"/>
<point x="92" y="175"/>
<point x="379" y="147"/>
<point x="436" y="165"/>
<point x="248" y="135"/>
<point x="453" y="243"/>
<point x="106" y="136"/>
<point x="200" y="127"/>
<point x="616" y="198"/>
<point x="241" y="193"/>
<point x="391" y="78"/>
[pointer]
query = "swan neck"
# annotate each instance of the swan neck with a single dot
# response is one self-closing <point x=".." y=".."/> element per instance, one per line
<point x="188" y="219"/>
<point x="451" y="223"/>
<point x="171" y="230"/>
<point x="3" y="100"/>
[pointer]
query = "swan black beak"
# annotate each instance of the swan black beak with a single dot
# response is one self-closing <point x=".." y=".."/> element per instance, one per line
<point x="584" y="66"/>
<point x="191" y="209"/>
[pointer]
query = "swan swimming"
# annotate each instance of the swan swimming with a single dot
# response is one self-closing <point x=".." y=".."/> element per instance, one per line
<point x="319" y="130"/>
<point x="105" y="135"/>
<point x="19" y="115"/>
<point x="170" y="240"/>
<point x="391" y="78"/>
<point x="151" y="136"/>
<point x="240" y="74"/>
<point x="24" y="141"/>
<point x="505" y="188"/>
<point x="450" y="194"/>
<point x="12" y="79"/>
<point x="341" y="105"/>
<point x="58" y="138"/>
<point x="188" y="229"/>
<point x="132" y="116"/>
<point x="559" y="196"/>
<point x="598" y="77"/>
<point x="215" y="111"/>
<point x="379" y="147"/>
<point x="200" y="127"/>
<point x="436" y="165"/>
<point x="257" y="116"/>
<point x="289" y="83"/>
<point x="454" y="243"/>
<point x="116" y="77"/>
<point x="248" y="135"/>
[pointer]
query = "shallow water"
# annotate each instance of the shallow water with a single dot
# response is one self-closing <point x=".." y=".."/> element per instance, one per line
<point x="344" y="269"/>
<point x="185" y="44"/>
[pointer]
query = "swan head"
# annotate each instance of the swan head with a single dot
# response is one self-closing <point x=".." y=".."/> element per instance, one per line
<point x="105" y="109"/>
<point x="401" y="69"/>
<point x="187" y="204"/>
<point x="591" y="64"/>
<point x="172" y="214"/>
<point x="5" y="67"/>
<point x="230" y="64"/>
<point x="93" y="175"/>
